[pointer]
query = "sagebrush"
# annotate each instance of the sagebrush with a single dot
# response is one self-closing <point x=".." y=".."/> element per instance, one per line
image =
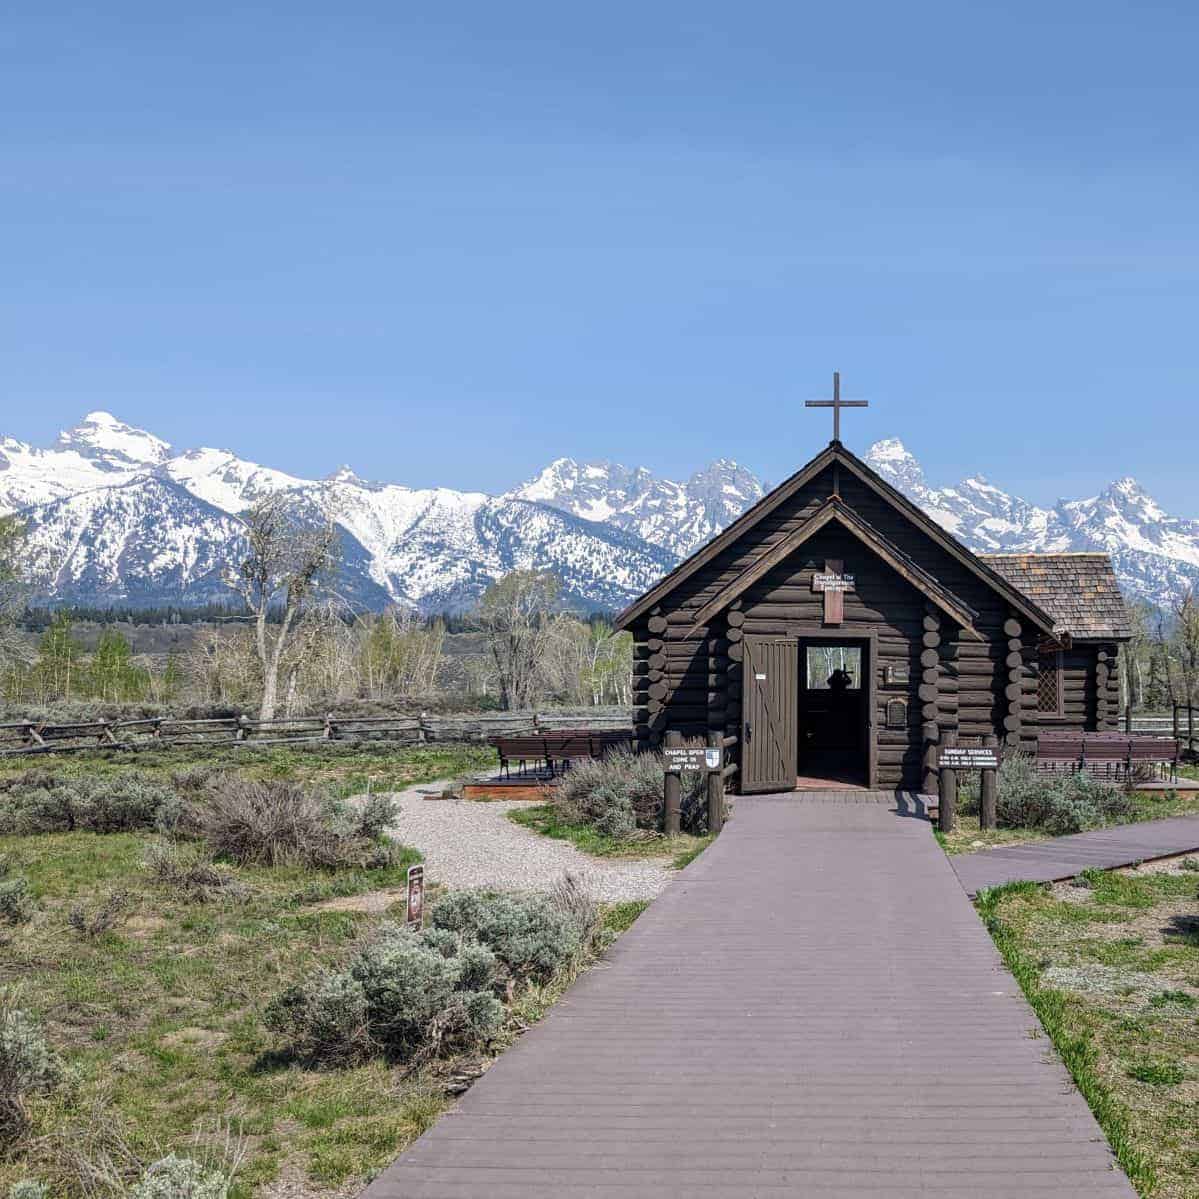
<point x="1056" y="803"/>
<point x="286" y="824"/>
<point x="622" y="792"/>
<point x="412" y="995"/>
<point x="16" y="895"/>
<point x="28" y="1067"/>
<point x="38" y="801"/>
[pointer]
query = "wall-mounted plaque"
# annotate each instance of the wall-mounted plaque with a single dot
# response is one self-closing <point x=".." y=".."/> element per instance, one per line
<point x="897" y="714"/>
<point x="899" y="672"/>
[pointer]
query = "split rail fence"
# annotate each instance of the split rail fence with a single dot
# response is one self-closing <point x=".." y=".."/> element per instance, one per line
<point x="28" y="737"/>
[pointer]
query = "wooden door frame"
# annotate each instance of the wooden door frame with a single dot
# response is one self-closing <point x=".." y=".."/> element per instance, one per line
<point x="810" y="632"/>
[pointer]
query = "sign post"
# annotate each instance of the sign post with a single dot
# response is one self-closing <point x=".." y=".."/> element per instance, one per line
<point x="951" y="758"/>
<point x="708" y="759"/>
<point x="416" y="897"/>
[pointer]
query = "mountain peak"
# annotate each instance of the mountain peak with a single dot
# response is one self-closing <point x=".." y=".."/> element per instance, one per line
<point x="896" y="463"/>
<point x="111" y="444"/>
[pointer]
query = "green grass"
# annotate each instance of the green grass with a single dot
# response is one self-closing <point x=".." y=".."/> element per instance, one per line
<point x="619" y="917"/>
<point x="160" y="1019"/>
<point x="1112" y="972"/>
<point x="542" y="818"/>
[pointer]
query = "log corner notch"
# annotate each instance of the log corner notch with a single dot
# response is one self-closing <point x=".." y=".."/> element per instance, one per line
<point x="929" y="694"/>
<point x="1014" y="691"/>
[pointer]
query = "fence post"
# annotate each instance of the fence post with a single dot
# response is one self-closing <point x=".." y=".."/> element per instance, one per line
<point x="672" y="791"/>
<point x="948" y="799"/>
<point x="988" y="789"/>
<point x="1128" y="719"/>
<point x="243" y="727"/>
<point x="1177" y="730"/>
<point x="716" y="784"/>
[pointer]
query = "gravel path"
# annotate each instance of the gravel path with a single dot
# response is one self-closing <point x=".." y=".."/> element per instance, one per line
<point x="471" y="844"/>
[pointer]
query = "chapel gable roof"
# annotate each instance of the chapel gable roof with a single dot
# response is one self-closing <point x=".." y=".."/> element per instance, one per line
<point x="836" y="453"/>
<point x="1079" y="591"/>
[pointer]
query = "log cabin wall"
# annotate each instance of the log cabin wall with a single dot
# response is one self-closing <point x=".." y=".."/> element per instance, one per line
<point x="689" y="679"/>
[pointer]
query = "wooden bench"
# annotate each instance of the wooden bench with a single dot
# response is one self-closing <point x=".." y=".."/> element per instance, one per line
<point x="1115" y="756"/>
<point x="556" y="750"/>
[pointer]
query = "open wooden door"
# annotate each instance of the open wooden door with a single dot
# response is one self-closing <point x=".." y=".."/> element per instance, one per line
<point x="769" y="714"/>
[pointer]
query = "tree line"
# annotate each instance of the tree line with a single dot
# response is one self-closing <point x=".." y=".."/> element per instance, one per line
<point x="1160" y="667"/>
<point x="287" y="642"/>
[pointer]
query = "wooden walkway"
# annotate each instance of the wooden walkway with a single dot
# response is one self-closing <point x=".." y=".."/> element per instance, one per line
<point x="1064" y="857"/>
<point x="812" y="1009"/>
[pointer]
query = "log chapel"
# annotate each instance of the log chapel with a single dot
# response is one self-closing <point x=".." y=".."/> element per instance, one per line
<point x="837" y="631"/>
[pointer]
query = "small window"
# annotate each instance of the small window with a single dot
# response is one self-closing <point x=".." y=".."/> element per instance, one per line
<point x="1049" y="683"/>
<point x="828" y="662"/>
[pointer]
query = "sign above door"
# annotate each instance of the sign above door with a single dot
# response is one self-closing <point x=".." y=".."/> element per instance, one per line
<point x="833" y="582"/>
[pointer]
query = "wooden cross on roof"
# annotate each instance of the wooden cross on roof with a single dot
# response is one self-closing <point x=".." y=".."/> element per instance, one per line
<point x="836" y="404"/>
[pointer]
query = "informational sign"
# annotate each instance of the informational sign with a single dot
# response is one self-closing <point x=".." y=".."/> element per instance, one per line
<point x="416" y="896"/>
<point x="968" y="757"/>
<point x="834" y="584"/>
<point x="692" y="758"/>
<point x="829" y="582"/>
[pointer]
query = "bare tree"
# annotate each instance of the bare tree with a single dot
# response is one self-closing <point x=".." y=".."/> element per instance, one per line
<point x="514" y="616"/>
<point x="586" y="662"/>
<point x="13" y="589"/>
<point x="288" y="563"/>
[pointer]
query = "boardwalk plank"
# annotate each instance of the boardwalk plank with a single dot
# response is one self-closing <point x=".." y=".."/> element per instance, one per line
<point x="813" y="1008"/>
<point x="1065" y="857"/>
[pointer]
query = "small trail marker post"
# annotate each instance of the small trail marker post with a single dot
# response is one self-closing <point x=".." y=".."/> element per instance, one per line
<point x="416" y="897"/>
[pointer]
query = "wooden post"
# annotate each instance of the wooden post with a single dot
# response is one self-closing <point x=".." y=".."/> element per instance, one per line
<point x="243" y="727"/>
<point x="672" y="791"/>
<point x="716" y="785"/>
<point x="1128" y="719"/>
<point x="947" y="806"/>
<point x="1177" y="730"/>
<point x="988" y="790"/>
<point x="930" y="735"/>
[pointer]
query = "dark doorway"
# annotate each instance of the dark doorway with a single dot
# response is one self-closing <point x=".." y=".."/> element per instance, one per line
<point x="834" y="713"/>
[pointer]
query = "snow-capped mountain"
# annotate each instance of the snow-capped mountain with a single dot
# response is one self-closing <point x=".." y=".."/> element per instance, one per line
<point x="679" y="517"/>
<point x="1156" y="555"/>
<point x="115" y="514"/>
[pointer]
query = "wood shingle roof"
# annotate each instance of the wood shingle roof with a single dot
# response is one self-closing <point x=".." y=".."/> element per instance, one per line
<point x="1079" y="591"/>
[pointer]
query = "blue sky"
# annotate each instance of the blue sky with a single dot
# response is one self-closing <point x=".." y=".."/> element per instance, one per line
<point x="447" y="242"/>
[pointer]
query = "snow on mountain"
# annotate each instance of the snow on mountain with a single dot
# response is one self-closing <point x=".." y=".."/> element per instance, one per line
<point x="1156" y="555"/>
<point x="678" y="517"/>
<point x="144" y="540"/>
<point x="227" y="482"/>
<point x="114" y="514"/>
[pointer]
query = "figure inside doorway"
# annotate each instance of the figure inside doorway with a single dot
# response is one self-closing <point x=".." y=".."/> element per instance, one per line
<point x="839" y="682"/>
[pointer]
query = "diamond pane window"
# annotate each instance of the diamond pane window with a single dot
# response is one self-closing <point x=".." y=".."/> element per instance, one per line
<point x="1049" y="684"/>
